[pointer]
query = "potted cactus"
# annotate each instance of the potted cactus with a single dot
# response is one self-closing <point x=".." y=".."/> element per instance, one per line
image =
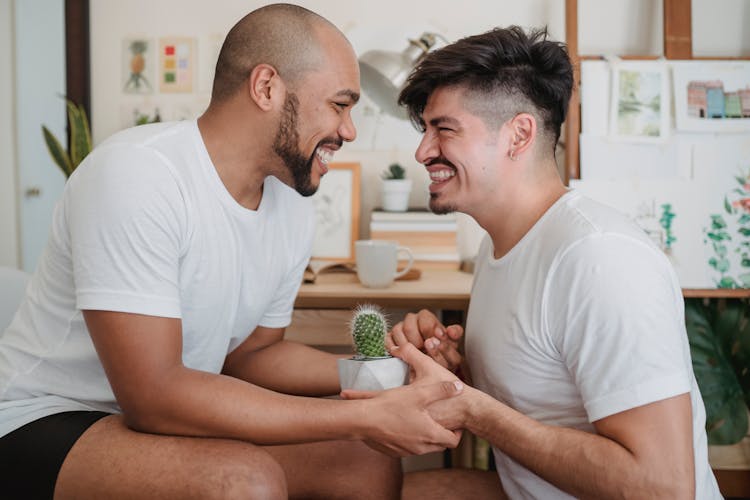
<point x="396" y="189"/>
<point x="372" y="368"/>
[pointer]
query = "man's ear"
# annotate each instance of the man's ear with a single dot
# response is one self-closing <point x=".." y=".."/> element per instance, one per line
<point x="523" y="128"/>
<point x="265" y="86"/>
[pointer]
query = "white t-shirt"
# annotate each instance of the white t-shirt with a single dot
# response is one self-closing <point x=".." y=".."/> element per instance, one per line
<point x="582" y="319"/>
<point x="146" y="226"/>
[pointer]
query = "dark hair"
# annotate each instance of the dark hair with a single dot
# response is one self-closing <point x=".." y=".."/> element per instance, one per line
<point x="509" y="72"/>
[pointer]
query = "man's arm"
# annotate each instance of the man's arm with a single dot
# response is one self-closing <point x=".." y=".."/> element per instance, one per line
<point x="142" y="356"/>
<point x="265" y="359"/>
<point x="645" y="452"/>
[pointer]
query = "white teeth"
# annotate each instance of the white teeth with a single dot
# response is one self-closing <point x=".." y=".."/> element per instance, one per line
<point x="324" y="155"/>
<point x="441" y="175"/>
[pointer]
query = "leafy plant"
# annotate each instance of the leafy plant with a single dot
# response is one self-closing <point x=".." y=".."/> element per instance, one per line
<point x="718" y="235"/>
<point x="394" y="171"/>
<point x="719" y="335"/>
<point x="80" y="140"/>
<point x="665" y="221"/>
<point x="369" y="327"/>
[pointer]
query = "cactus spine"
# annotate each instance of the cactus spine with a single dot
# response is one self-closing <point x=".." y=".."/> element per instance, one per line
<point x="369" y="327"/>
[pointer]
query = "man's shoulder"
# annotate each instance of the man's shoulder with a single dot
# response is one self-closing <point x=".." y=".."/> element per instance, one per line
<point x="146" y="135"/>
<point x="583" y="222"/>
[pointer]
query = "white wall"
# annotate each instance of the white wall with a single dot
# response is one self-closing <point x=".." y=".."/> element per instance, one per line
<point x="9" y="248"/>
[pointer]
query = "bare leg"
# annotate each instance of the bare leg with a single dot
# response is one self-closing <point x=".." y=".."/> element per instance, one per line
<point x="338" y="470"/>
<point x="452" y="484"/>
<point x="111" y="461"/>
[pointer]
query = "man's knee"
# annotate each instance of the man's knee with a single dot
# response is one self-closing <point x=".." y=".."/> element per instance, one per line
<point x="241" y="475"/>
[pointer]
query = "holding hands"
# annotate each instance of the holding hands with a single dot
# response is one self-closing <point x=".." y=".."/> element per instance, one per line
<point x="426" y="332"/>
<point x="407" y="425"/>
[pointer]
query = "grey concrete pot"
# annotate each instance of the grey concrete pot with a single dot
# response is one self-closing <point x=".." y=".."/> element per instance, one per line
<point x="372" y="374"/>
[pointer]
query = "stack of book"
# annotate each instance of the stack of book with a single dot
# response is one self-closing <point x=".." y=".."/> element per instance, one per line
<point x="430" y="237"/>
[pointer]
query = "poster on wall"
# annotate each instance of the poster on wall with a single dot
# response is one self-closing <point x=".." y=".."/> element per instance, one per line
<point x="640" y="102"/>
<point x="670" y="212"/>
<point x="138" y="66"/>
<point x="703" y="223"/>
<point x="176" y="64"/>
<point x="336" y="205"/>
<point x="712" y="96"/>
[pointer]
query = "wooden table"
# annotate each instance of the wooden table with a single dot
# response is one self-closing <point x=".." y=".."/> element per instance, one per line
<point x="323" y="309"/>
<point x="435" y="289"/>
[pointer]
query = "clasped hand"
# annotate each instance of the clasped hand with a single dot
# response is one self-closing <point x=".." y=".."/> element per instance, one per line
<point x="423" y="416"/>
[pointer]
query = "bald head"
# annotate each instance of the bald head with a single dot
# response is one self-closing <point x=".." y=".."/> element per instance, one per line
<point x="283" y="35"/>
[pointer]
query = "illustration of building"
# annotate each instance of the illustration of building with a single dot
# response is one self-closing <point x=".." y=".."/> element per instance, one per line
<point x="732" y="105"/>
<point x="745" y="101"/>
<point x="707" y="99"/>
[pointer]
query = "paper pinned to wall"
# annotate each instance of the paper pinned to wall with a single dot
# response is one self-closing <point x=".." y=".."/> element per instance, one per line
<point x="703" y="222"/>
<point x="670" y="212"/>
<point x="640" y="101"/>
<point x="712" y="96"/>
<point x="176" y="64"/>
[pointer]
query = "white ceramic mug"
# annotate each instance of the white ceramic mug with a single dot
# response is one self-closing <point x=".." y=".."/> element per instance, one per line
<point x="377" y="262"/>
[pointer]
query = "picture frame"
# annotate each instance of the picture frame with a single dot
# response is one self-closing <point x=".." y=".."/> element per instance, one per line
<point x="138" y="66"/>
<point x="712" y="96"/>
<point x="640" y="101"/>
<point x="176" y="64"/>
<point x="337" y="213"/>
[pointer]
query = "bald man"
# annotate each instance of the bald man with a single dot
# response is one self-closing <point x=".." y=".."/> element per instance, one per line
<point x="148" y="359"/>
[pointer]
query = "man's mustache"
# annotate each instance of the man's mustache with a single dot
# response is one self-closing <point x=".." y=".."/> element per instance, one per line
<point x="440" y="160"/>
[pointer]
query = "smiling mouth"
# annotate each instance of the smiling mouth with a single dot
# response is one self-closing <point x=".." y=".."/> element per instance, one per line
<point x="324" y="155"/>
<point x="441" y="175"/>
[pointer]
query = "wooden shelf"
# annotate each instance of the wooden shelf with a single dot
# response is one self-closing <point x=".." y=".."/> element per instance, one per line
<point x="716" y="293"/>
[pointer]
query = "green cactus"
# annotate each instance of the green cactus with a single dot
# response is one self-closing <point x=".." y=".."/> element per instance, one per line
<point x="369" y="327"/>
<point x="394" y="171"/>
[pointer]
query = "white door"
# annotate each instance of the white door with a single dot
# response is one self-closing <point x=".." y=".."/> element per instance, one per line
<point x="39" y="91"/>
<point x="9" y="249"/>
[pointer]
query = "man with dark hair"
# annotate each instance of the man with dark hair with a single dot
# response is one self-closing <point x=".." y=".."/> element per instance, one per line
<point x="575" y="335"/>
<point x="148" y="360"/>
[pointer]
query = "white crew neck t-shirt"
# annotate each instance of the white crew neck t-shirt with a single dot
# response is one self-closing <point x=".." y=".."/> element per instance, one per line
<point x="582" y="319"/>
<point x="146" y="226"/>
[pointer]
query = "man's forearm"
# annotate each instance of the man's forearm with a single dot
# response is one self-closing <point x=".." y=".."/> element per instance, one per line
<point x="196" y="403"/>
<point x="289" y="367"/>
<point x="581" y="463"/>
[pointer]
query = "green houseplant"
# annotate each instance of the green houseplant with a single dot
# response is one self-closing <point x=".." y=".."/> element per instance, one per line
<point x="719" y="335"/>
<point x="80" y="140"/>
<point x="371" y="368"/>
<point x="396" y="189"/>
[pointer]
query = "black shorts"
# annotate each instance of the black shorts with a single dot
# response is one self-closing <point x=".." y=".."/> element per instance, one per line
<point x="31" y="456"/>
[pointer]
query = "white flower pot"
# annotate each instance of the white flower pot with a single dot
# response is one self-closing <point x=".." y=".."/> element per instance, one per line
<point x="396" y="194"/>
<point x="373" y="374"/>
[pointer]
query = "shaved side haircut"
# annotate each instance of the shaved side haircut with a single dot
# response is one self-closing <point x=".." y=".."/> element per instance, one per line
<point x="503" y="72"/>
<point x="282" y="35"/>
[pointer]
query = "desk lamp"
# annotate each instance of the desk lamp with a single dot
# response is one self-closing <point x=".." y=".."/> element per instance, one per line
<point x="384" y="73"/>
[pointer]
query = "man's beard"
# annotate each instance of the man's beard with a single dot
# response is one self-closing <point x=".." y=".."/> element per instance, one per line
<point x="440" y="208"/>
<point x="286" y="146"/>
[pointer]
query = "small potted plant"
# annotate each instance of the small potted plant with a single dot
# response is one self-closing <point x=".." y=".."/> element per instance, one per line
<point x="396" y="189"/>
<point x="372" y="368"/>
